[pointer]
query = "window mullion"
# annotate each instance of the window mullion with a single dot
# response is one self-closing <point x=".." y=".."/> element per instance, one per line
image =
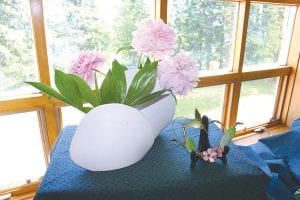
<point x="161" y="7"/>
<point x="291" y="100"/>
<point x="40" y="40"/>
<point x="234" y="89"/>
<point x="42" y="60"/>
<point x="281" y="92"/>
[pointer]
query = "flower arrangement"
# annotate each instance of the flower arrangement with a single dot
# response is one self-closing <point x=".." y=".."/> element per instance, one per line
<point x="155" y="42"/>
<point x="205" y="151"/>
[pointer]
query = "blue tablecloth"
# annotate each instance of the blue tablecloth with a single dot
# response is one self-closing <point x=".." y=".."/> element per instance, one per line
<point x="164" y="173"/>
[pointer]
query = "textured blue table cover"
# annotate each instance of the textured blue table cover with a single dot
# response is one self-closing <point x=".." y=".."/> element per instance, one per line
<point x="164" y="173"/>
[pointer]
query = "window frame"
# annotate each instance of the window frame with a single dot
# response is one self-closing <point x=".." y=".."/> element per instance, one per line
<point x="49" y="113"/>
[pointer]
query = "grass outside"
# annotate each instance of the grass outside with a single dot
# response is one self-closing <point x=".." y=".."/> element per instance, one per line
<point x="209" y="100"/>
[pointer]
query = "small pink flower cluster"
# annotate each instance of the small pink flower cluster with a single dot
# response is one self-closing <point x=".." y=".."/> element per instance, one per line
<point x="157" y="40"/>
<point x="85" y="64"/>
<point x="211" y="154"/>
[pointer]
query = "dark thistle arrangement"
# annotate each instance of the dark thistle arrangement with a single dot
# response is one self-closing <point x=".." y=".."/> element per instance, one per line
<point x="204" y="151"/>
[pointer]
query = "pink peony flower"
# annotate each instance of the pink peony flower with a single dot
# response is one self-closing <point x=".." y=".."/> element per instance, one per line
<point x="85" y="63"/>
<point x="154" y="38"/>
<point x="209" y="155"/>
<point x="180" y="74"/>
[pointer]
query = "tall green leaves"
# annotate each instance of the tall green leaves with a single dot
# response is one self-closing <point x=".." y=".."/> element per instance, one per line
<point x="113" y="88"/>
<point x="67" y="87"/>
<point x="142" y="83"/>
<point x="85" y="91"/>
<point x="74" y="91"/>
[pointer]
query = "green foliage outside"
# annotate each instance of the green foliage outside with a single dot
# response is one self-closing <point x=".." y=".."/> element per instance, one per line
<point x="17" y="61"/>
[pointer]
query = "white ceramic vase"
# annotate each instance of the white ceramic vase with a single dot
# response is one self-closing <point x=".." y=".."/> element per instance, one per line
<point x="159" y="113"/>
<point x="111" y="136"/>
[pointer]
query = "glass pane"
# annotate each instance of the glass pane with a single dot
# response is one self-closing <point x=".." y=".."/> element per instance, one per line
<point x="257" y="101"/>
<point x="21" y="149"/>
<point x="71" y="116"/>
<point x="17" y="55"/>
<point x="208" y="101"/>
<point x="105" y="26"/>
<point x="206" y="29"/>
<point x="268" y="36"/>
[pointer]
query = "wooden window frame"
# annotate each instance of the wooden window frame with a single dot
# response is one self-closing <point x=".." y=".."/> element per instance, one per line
<point x="49" y="113"/>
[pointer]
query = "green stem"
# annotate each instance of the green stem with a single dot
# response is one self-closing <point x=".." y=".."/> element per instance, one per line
<point x="184" y="136"/>
<point x="97" y="90"/>
<point x="99" y="72"/>
<point x="139" y="61"/>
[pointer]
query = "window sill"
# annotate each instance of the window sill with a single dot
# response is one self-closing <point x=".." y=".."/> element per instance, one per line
<point x="253" y="137"/>
<point x="25" y="192"/>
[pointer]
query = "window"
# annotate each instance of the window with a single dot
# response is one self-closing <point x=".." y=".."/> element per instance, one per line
<point x="257" y="101"/>
<point x="17" y="59"/>
<point x="21" y="149"/>
<point x="208" y="100"/>
<point x="206" y="29"/>
<point x="70" y="116"/>
<point x="269" y="33"/>
<point x="248" y="51"/>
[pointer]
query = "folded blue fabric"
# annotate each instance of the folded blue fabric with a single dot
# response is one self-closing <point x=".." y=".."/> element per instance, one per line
<point x="286" y="146"/>
<point x="294" y="165"/>
<point x="282" y="169"/>
<point x="279" y="180"/>
<point x="263" y="151"/>
<point x="277" y="190"/>
<point x="256" y="160"/>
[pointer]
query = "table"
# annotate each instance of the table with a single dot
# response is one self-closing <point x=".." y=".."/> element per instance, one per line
<point x="164" y="173"/>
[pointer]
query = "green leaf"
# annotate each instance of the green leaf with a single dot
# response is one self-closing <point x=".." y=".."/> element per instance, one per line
<point x="49" y="91"/>
<point x="86" y="109"/>
<point x="116" y="64"/>
<point x="190" y="146"/>
<point x="119" y="81"/>
<point x="197" y="114"/>
<point x="98" y="94"/>
<point x="142" y="83"/>
<point x="148" y="61"/>
<point x="107" y="90"/>
<point x="85" y="90"/>
<point x="127" y="48"/>
<point x="148" y="98"/>
<point x="227" y="137"/>
<point x="68" y="88"/>
<point x="195" y="123"/>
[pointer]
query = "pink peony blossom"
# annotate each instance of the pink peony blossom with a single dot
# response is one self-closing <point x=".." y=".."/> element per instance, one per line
<point x="180" y="74"/>
<point x="154" y="38"/>
<point x="209" y="155"/>
<point x="85" y="63"/>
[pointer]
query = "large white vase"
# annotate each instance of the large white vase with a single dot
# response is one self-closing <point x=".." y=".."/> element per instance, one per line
<point x="159" y="113"/>
<point x="111" y="136"/>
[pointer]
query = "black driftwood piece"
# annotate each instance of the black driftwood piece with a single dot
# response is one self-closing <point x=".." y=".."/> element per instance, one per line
<point x="204" y="144"/>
